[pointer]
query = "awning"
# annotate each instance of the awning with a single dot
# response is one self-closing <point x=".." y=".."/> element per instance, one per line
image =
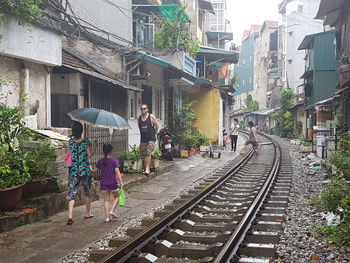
<point x="102" y="77"/>
<point x="151" y="59"/>
<point x="264" y="112"/>
<point x="307" y="74"/>
<point x="217" y="54"/>
<point x="163" y="64"/>
<point x="168" y="11"/>
<point x="326" y="101"/>
<point x="306" y="43"/>
<point x="203" y="82"/>
<point x="331" y="10"/>
<point x="206" y="5"/>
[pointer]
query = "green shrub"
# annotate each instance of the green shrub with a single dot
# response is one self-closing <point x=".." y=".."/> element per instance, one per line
<point x="38" y="160"/>
<point x="305" y="143"/>
<point x="13" y="168"/>
<point x="331" y="197"/>
<point x="341" y="159"/>
<point x="132" y="155"/>
<point x="157" y="154"/>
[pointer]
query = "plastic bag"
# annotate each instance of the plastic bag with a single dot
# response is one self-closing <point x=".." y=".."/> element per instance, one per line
<point x="122" y="201"/>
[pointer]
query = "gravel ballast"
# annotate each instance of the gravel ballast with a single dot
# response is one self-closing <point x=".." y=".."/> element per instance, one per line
<point x="298" y="243"/>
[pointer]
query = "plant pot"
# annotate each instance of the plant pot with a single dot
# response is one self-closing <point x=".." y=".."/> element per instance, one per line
<point x="10" y="197"/>
<point x="138" y="165"/>
<point x="305" y="149"/>
<point x="204" y="148"/>
<point x="36" y="187"/>
<point x="184" y="153"/>
<point x="154" y="163"/>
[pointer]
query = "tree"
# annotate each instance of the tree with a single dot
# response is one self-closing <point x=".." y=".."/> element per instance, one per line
<point x="283" y="117"/>
<point x="171" y="33"/>
<point x="23" y="10"/>
<point x="251" y="104"/>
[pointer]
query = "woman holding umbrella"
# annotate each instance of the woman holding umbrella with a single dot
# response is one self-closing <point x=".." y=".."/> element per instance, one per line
<point x="80" y="171"/>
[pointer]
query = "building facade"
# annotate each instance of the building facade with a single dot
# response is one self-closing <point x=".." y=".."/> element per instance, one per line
<point x="297" y="22"/>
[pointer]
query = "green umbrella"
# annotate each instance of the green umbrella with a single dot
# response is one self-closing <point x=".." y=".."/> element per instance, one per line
<point x="99" y="118"/>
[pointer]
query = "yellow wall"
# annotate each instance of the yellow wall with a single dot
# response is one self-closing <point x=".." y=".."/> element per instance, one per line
<point x="207" y="110"/>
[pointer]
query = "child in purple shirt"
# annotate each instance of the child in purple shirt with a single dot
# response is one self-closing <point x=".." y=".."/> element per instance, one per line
<point x="111" y="180"/>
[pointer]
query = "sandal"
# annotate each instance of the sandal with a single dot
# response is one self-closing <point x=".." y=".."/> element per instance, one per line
<point x="70" y="221"/>
<point x="113" y="215"/>
<point x="89" y="216"/>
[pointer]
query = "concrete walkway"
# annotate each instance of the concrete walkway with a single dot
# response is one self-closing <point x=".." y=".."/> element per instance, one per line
<point x="51" y="239"/>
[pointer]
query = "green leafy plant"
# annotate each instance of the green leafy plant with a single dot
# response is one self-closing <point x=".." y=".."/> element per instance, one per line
<point x="157" y="154"/>
<point x="13" y="168"/>
<point x="38" y="160"/>
<point x="132" y="155"/>
<point x="251" y="104"/>
<point x="24" y="10"/>
<point x="341" y="159"/>
<point x="283" y="117"/>
<point x="331" y="196"/>
<point x="174" y="32"/>
<point x="185" y="134"/>
<point x="12" y="126"/>
<point x="305" y="143"/>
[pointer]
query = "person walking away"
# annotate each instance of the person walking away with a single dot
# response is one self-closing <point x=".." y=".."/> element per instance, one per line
<point x="111" y="181"/>
<point x="253" y="140"/>
<point x="234" y="134"/>
<point x="80" y="171"/>
<point x="149" y="127"/>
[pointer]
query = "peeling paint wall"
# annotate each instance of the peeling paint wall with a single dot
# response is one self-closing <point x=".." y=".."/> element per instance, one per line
<point x="30" y="78"/>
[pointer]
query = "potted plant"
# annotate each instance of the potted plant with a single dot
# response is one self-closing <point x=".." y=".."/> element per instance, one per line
<point x="14" y="171"/>
<point x="38" y="160"/>
<point x="157" y="154"/>
<point x="132" y="160"/>
<point x="305" y="146"/>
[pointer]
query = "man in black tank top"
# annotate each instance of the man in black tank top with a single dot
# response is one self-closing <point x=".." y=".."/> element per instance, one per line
<point x="149" y="127"/>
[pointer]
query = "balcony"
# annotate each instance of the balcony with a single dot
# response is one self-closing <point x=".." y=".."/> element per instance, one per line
<point x="181" y="61"/>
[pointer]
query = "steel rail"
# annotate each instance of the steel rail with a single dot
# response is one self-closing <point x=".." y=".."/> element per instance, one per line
<point x="123" y="253"/>
<point x="232" y="244"/>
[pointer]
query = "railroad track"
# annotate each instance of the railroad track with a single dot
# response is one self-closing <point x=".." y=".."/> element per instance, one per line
<point x="232" y="216"/>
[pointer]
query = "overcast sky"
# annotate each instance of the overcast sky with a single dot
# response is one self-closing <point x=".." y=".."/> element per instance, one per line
<point x="243" y="13"/>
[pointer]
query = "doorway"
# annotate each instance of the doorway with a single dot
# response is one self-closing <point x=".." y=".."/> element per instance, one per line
<point x="147" y="97"/>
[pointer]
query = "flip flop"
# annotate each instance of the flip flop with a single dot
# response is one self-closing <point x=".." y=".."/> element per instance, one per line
<point x="88" y="217"/>
<point x="113" y="215"/>
<point x="69" y="221"/>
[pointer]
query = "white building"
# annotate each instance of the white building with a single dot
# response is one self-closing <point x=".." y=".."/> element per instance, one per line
<point x="297" y="22"/>
<point x="217" y="28"/>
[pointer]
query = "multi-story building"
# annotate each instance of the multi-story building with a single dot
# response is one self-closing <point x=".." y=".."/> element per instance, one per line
<point x="265" y="66"/>
<point x="297" y="22"/>
<point x="217" y="27"/>
<point x="244" y="72"/>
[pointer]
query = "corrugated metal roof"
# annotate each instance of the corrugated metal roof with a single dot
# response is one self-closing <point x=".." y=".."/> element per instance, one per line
<point x="70" y="60"/>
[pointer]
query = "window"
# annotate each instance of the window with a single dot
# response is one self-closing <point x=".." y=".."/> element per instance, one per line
<point x="300" y="8"/>
<point x="243" y="82"/>
<point x="243" y="61"/>
<point x="132" y="95"/>
<point x="200" y="20"/>
<point x="290" y="33"/>
<point x="158" y="104"/>
<point x="290" y="61"/>
<point x="250" y="79"/>
<point x="250" y="58"/>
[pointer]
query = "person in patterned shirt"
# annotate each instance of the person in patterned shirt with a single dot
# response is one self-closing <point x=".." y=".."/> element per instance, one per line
<point x="80" y="171"/>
